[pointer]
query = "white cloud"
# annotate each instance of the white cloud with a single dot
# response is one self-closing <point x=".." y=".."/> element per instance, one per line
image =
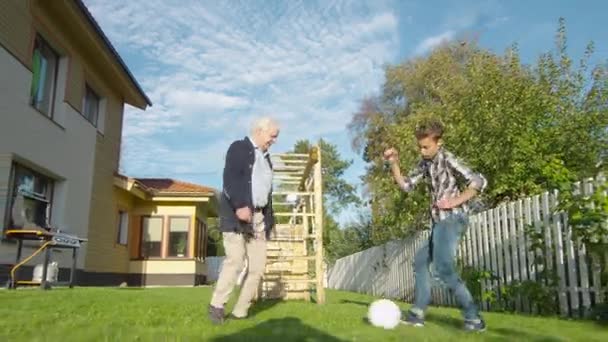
<point x="430" y="43"/>
<point x="209" y="67"/>
<point x="193" y="101"/>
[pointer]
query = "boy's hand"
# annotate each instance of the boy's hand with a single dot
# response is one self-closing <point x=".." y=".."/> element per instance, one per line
<point x="391" y="155"/>
<point x="448" y="203"/>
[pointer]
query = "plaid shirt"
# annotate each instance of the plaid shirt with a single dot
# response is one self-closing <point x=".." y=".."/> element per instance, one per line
<point x="442" y="172"/>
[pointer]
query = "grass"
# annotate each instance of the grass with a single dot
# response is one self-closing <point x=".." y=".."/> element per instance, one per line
<point x="179" y="314"/>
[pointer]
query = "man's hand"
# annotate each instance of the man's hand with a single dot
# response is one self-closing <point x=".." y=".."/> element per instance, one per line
<point x="391" y="155"/>
<point x="244" y="214"/>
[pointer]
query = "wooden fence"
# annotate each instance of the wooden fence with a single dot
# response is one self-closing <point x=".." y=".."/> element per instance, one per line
<point x="495" y="241"/>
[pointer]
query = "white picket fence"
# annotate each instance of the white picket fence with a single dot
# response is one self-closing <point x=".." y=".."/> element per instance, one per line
<point x="495" y="241"/>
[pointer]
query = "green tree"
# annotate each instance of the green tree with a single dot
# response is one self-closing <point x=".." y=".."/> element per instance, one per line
<point x="352" y="238"/>
<point x="526" y="128"/>
<point x="338" y="194"/>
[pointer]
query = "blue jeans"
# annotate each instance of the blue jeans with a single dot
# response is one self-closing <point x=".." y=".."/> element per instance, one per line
<point x="442" y="248"/>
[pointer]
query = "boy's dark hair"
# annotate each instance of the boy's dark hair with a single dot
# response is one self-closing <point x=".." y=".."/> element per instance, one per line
<point x="429" y="128"/>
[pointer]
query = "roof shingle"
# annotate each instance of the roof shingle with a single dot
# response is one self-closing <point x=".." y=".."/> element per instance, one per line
<point x="168" y="185"/>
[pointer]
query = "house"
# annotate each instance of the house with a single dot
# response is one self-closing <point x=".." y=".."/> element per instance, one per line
<point x="63" y="90"/>
<point x="166" y="231"/>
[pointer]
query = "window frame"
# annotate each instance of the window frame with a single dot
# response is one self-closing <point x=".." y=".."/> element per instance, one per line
<point x="164" y="246"/>
<point x="44" y="46"/>
<point x="13" y="190"/>
<point x="188" y="253"/>
<point x="119" y="227"/>
<point x="88" y="90"/>
<point x="162" y="237"/>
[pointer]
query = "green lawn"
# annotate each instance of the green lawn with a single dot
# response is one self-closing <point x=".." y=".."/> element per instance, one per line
<point x="179" y="314"/>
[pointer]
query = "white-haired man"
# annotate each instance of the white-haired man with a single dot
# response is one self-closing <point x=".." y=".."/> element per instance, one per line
<point x="246" y="217"/>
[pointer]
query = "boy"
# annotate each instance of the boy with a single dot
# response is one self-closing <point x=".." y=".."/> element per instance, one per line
<point x="448" y="215"/>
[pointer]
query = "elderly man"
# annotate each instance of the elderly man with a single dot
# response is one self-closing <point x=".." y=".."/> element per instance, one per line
<point x="246" y="217"/>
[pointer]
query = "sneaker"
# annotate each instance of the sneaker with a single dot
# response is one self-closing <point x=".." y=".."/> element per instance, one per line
<point x="235" y="317"/>
<point x="474" y="325"/>
<point x="216" y="315"/>
<point x="413" y="320"/>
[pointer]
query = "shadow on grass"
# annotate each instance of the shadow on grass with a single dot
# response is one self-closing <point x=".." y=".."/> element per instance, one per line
<point x="347" y="301"/>
<point x="445" y="321"/>
<point x="280" y="329"/>
<point x="506" y="334"/>
<point x="513" y="334"/>
<point x="262" y="305"/>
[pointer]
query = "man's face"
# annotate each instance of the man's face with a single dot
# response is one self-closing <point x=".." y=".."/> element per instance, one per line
<point x="429" y="146"/>
<point x="266" y="137"/>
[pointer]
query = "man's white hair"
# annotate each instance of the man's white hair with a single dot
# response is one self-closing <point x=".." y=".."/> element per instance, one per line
<point x="264" y="123"/>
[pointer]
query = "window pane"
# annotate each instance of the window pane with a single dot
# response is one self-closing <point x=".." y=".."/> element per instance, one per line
<point x="123" y="227"/>
<point x="178" y="236"/>
<point x="31" y="200"/>
<point x="32" y="183"/>
<point x="91" y="106"/>
<point x="35" y="211"/>
<point x="44" y="70"/>
<point x="152" y="232"/>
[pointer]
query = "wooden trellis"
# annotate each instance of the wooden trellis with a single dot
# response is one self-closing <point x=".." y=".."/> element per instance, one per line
<point x="295" y="252"/>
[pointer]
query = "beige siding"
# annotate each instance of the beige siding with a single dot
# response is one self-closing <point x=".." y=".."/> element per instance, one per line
<point x="74" y="91"/>
<point x="16" y="29"/>
<point x="164" y="209"/>
<point x="103" y="204"/>
<point x="163" y="266"/>
<point x="104" y="253"/>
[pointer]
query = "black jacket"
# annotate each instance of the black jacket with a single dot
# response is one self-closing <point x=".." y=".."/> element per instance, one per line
<point x="236" y="192"/>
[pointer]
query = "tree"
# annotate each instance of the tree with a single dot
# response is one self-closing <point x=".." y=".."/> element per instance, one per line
<point x="338" y="194"/>
<point x="526" y="128"/>
<point x="352" y="238"/>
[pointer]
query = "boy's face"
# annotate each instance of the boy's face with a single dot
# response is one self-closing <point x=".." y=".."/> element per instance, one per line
<point x="429" y="146"/>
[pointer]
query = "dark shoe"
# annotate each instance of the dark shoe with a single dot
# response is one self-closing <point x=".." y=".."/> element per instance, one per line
<point x="475" y="325"/>
<point x="413" y="320"/>
<point x="216" y="315"/>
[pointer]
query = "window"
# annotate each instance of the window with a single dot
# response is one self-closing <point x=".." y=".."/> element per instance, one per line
<point x="44" y="69"/>
<point x="160" y="240"/>
<point x="90" y="108"/>
<point x="152" y="232"/>
<point x="123" y="227"/>
<point x="178" y="236"/>
<point x="31" y="198"/>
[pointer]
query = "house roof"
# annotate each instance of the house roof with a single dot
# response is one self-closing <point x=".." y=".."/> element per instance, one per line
<point x="83" y="8"/>
<point x="175" y="187"/>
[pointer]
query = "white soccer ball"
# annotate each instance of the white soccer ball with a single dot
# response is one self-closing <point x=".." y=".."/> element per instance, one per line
<point x="384" y="313"/>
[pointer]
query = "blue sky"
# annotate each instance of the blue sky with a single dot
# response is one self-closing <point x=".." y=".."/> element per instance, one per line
<point x="210" y="67"/>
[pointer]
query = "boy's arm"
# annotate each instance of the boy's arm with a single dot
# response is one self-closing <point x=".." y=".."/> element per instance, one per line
<point x="476" y="182"/>
<point x="407" y="183"/>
